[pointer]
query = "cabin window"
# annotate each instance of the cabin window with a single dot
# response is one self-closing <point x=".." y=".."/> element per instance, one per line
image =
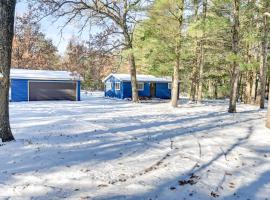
<point x="169" y="86"/>
<point x="117" y="86"/>
<point x="108" y="86"/>
<point x="140" y="86"/>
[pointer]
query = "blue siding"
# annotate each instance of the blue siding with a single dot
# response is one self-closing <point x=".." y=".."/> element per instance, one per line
<point x="162" y="91"/>
<point x="127" y="91"/>
<point x="19" y="90"/>
<point x="113" y="92"/>
<point x="78" y="90"/>
<point x="118" y="93"/>
<point x="146" y="91"/>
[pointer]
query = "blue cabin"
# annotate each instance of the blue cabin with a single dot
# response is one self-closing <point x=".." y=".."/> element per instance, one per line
<point x="119" y="86"/>
<point x="44" y="85"/>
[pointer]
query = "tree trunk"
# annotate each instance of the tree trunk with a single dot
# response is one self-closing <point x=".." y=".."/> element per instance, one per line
<point x="192" y="96"/>
<point x="254" y="87"/>
<point x="267" y="124"/>
<point x="200" y="79"/>
<point x="7" y="9"/>
<point x="194" y="75"/>
<point x="210" y="89"/>
<point x="248" y="77"/>
<point x="132" y="65"/>
<point x="201" y="63"/>
<point x="216" y="91"/>
<point x="248" y="89"/>
<point x="132" y="71"/>
<point x="240" y="88"/>
<point x="235" y="48"/>
<point x="263" y="56"/>
<point x="175" y="85"/>
<point x="267" y="87"/>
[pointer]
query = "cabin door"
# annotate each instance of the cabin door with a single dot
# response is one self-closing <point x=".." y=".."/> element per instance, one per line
<point x="152" y="89"/>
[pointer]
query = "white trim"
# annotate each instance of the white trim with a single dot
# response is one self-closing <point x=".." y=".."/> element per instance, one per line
<point x="64" y="81"/>
<point x="119" y="86"/>
<point x="27" y="74"/>
<point x="44" y="79"/>
<point x="28" y="82"/>
<point x="76" y="91"/>
<point x="140" y="83"/>
<point x="169" y="86"/>
<point x="10" y="91"/>
<point x="108" y="83"/>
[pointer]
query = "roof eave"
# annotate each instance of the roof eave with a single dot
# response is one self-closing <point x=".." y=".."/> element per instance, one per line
<point x="45" y="79"/>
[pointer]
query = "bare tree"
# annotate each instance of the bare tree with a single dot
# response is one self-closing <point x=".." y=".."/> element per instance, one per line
<point x="7" y="9"/>
<point x="124" y="14"/>
<point x="90" y="59"/>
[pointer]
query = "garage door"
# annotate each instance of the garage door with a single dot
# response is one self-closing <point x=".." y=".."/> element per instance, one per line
<point x="42" y="91"/>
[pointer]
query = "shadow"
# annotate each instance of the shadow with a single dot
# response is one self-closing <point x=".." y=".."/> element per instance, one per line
<point x="253" y="190"/>
<point x="61" y="135"/>
<point x="107" y="147"/>
<point x="163" y="189"/>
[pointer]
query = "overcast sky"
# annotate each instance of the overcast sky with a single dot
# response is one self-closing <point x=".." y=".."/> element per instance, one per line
<point x="52" y="30"/>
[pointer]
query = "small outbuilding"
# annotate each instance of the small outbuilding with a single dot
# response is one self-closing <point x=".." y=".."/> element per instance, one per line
<point x="44" y="85"/>
<point x="119" y="86"/>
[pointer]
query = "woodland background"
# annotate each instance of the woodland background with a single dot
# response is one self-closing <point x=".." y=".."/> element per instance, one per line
<point x="207" y="55"/>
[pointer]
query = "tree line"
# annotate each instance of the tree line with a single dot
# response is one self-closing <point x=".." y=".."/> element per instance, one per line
<point x="217" y="48"/>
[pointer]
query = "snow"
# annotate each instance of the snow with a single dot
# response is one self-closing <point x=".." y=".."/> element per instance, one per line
<point x="140" y="78"/>
<point x="42" y="74"/>
<point x="105" y="149"/>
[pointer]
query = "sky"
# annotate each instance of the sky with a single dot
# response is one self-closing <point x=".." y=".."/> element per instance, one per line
<point x="52" y="29"/>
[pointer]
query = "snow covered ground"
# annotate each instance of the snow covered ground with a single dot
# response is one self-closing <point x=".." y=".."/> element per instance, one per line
<point x="105" y="149"/>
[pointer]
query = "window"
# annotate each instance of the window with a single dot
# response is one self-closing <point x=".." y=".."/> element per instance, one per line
<point x="108" y="86"/>
<point x="117" y="86"/>
<point x="140" y="86"/>
<point x="169" y="86"/>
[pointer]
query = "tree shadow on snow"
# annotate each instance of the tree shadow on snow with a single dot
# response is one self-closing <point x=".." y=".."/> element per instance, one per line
<point x="249" y="191"/>
<point x="135" y="139"/>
